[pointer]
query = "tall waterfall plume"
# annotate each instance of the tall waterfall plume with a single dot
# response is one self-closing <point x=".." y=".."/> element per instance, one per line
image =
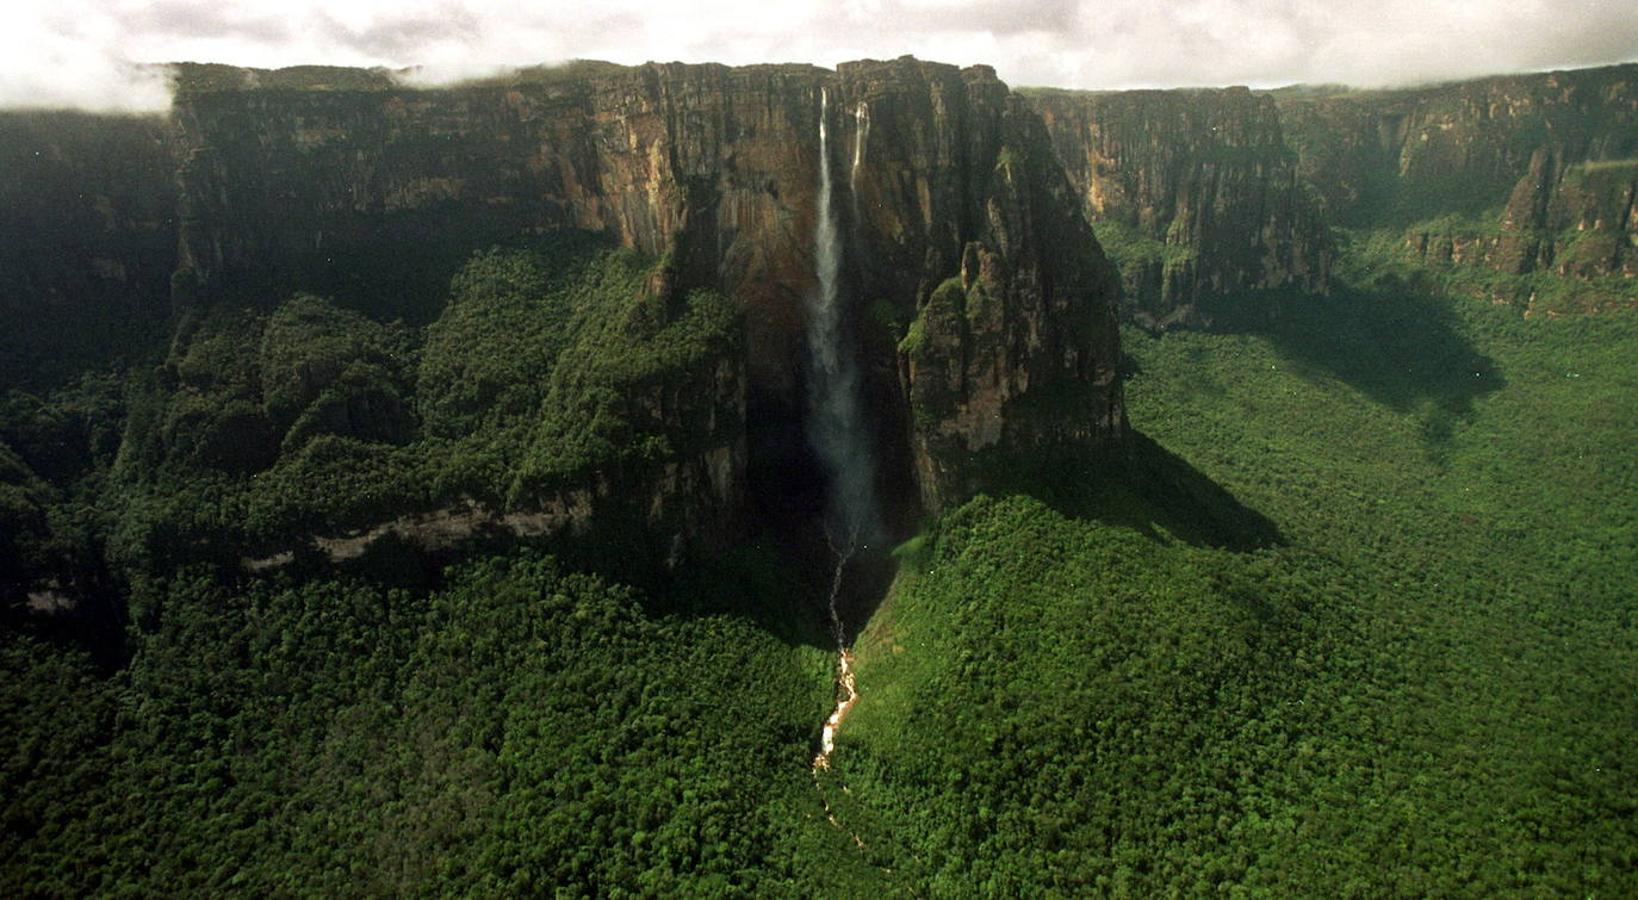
<point x="837" y="430"/>
<point x="836" y="426"/>
<point x="861" y="134"/>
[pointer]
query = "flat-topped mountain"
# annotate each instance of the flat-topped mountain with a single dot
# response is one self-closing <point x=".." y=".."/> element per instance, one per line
<point x="705" y="480"/>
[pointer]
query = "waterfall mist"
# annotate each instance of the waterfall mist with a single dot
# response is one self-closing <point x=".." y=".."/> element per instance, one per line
<point x="861" y="134"/>
<point x="836" y="424"/>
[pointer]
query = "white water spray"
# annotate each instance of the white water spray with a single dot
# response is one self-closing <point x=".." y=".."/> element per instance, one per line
<point x="836" y="427"/>
<point x="861" y="134"/>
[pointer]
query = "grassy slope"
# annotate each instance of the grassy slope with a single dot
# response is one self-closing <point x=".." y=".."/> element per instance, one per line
<point x="1428" y="687"/>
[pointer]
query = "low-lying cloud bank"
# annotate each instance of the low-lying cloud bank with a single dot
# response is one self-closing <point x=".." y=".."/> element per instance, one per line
<point x="89" y="53"/>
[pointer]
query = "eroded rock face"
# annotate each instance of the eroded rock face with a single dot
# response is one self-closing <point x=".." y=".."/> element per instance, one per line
<point x="1520" y="175"/>
<point x="1204" y="193"/>
<point x="1574" y="219"/>
<point x="1013" y="341"/>
<point x="1195" y="191"/>
<point x="1378" y="155"/>
<point x="715" y="168"/>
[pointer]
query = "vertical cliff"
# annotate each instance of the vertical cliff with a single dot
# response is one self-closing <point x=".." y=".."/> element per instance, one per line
<point x="346" y="183"/>
<point x="1574" y="219"/>
<point x="1528" y="175"/>
<point x="969" y="232"/>
<point x="1195" y="193"/>
<point x="1206" y="193"/>
<point x="1401" y="155"/>
<point x="87" y="240"/>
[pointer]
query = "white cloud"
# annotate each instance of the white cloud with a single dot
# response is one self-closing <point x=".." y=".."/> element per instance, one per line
<point x="79" y="52"/>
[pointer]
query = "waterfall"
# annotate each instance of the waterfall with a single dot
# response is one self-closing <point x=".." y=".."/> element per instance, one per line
<point x="837" y="431"/>
<point x="861" y="133"/>
<point x="836" y="426"/>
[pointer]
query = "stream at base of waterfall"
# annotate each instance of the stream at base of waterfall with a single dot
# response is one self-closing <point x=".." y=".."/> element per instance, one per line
<point x="846" y="696"/>
<point x="846" y="693"/>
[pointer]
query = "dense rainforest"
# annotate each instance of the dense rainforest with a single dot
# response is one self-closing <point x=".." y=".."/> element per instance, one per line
<point x="1422" y="686"/>
<point x="432" y="541"/>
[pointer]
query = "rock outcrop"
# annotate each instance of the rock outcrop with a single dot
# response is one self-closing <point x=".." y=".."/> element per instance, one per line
<point x="1573" y="219"/>
<point x="1194" y="192"/>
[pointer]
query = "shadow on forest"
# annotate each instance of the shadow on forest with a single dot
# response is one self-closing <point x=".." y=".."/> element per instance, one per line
<point x="1399" y="345"/>
<point x="1143" y="486"/>
<point x="781" y="576"/>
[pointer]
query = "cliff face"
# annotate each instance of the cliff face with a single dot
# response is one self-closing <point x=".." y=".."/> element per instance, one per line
<point x="953" y="178"/>
<point x="1514" y="175"/>
<point x="1012" y="339"/>
<point x="1204" y="193"/>
<point x="1575" y="219"/>
<point x="303" y="178"/>
<point x="1195" y="193"/>
<point x="1375" y="156"/>
<point x="87" y="240"/>
<point x="331" y="178"/>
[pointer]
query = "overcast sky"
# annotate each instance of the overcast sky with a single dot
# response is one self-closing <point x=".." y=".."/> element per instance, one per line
<point x="79" y="52"/>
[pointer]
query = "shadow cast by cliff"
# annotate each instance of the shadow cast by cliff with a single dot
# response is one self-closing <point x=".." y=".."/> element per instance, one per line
<point x="781" y="583"/>
<point x="1141" y="485"/>
<point x="1399" y="345"/>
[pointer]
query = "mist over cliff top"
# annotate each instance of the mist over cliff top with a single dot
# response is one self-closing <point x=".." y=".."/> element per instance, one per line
<point x="89" y="53"/>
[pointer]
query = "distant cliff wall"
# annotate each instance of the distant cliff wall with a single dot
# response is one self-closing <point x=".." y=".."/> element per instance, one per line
<point x="1209" y="193"/>
<point x="1400" y="155"/>
<point x="1194" y="192"/>
<point x="1519" y="175"/>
